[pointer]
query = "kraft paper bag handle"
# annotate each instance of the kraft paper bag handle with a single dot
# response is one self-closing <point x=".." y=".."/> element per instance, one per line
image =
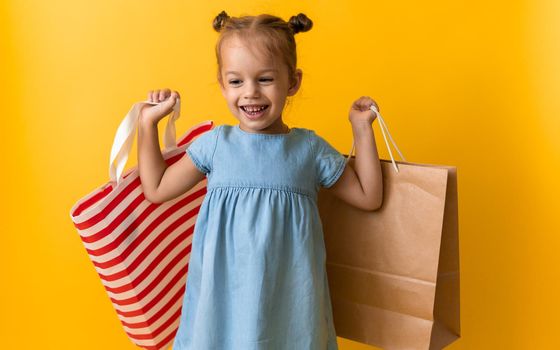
<point x="125" y="135"/>
<point x="381" y="126"/>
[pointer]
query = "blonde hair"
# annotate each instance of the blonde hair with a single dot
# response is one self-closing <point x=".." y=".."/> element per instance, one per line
<point x="269" y="34"/>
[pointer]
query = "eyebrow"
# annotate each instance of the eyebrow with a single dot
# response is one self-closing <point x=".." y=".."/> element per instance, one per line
<point x="262" y="71"/>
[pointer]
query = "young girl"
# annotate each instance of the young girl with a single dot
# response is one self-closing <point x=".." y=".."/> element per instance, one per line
<point x="257" y="277"/>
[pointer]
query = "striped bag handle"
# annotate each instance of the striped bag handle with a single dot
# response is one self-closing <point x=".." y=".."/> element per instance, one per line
<point x="125" y="136"/>
<point x="381" y="126"/>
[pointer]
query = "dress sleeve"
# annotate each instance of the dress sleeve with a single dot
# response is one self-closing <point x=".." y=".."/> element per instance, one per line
<point x="201" y="149"/>
<point x="329" y="163"/>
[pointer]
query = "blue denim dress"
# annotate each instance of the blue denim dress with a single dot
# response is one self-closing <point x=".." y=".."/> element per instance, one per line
<point x="257" y="277"/>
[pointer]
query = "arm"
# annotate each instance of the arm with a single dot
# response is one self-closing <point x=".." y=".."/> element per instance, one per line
<point x="161" y="182"/>
<point x="362" y="185"/>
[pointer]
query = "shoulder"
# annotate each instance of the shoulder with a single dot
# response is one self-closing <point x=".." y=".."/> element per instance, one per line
<point x="212" y="134"/>
<point x="304" y="130"/>
<point x="306" y="133"/>
<point x="317" y="146"/>
<point x="219" y="128"/>
<point x="312" y="134"/>
<point x="205" y="139"/>
<point x="224" y="129"/>
<point x="204" y="136"/>
<point x="315" y="140"/>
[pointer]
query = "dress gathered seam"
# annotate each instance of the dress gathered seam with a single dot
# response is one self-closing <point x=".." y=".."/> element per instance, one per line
<point x="289" y="189"/>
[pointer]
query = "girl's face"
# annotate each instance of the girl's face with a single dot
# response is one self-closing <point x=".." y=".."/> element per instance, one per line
<point x="251" y="82"/>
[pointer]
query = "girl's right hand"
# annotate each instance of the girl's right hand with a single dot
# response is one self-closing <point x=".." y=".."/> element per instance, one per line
<point x="154" y="113"/>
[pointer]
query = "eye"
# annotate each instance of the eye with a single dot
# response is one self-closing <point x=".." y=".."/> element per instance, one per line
<point x="237" y="81"/>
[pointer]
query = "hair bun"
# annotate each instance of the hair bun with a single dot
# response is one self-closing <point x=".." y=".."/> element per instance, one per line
<point x="220" y="21"/>
<point x="300" y="23"/>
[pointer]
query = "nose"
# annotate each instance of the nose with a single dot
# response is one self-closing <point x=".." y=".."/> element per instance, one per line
<point x="252" y="90"/>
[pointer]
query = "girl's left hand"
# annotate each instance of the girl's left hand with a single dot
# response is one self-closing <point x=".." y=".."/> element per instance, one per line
<point x="360" y="112"/>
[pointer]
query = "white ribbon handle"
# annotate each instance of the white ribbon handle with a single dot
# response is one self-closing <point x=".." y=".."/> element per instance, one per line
<point x="125" y="136"/>
<point x="381" y="126"/>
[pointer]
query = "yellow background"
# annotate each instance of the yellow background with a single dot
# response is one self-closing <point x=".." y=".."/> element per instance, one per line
<point x="467" y="83"/>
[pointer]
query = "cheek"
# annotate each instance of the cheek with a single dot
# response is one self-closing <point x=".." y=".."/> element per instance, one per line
<point x="231" y="98"/>
<point x="233" y="103"/>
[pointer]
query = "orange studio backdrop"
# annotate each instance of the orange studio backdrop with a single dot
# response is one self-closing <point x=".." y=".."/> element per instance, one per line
<point x="470" y="84"/>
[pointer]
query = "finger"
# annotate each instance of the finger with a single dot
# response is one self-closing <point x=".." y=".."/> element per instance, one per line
<point x="376" y="105"/>
<point x="163" y="94"/>
<point x="171" y="98"/>
<point x="370" y="102"/>
<point x="150" y="95"/>
<point x="364" y="101"/>
<point x="361" y="103"/>
<point x="358" y="102"/>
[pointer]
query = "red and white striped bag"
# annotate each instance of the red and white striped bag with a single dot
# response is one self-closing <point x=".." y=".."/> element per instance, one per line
<point x="141" y="250"/>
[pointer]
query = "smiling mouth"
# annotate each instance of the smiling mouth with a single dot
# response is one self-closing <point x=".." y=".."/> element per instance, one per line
<point x="254" y="110"/>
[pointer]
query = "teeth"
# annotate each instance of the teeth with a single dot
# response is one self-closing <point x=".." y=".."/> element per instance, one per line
<point x="254" y="109"/>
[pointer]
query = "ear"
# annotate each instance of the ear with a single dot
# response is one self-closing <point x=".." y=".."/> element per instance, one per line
<point x="295" y="85"/>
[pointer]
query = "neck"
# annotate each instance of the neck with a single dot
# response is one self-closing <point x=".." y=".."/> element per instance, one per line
<point x="272" y="129"/>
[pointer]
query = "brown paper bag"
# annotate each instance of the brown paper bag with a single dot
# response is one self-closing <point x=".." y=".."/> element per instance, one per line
<point x="394" y="273"/>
